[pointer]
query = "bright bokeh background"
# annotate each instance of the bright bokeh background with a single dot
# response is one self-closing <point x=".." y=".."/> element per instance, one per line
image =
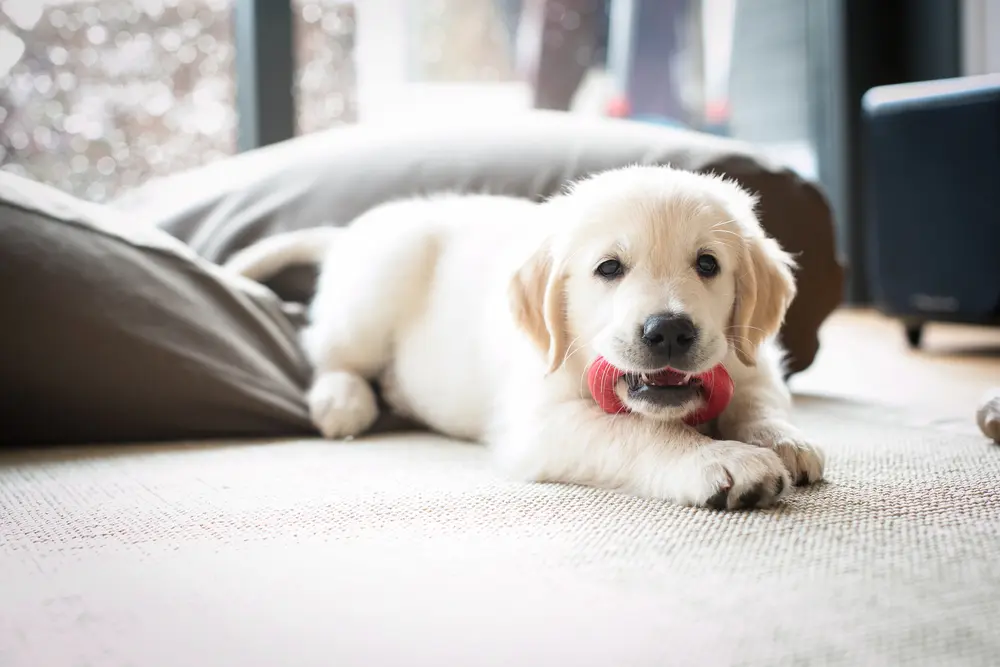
<point x="99" y="96"/>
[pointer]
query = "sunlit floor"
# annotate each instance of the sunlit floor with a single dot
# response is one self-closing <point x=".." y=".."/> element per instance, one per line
<point x="864" y="356"/>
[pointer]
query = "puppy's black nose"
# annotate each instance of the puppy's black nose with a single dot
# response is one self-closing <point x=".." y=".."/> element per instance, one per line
<point x="670" y="336"/>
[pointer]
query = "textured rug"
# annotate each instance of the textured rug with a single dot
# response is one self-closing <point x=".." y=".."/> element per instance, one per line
<point x="408" y="550"/>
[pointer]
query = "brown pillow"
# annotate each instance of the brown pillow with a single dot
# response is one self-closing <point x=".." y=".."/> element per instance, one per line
<point x="113" y="330"/>
<point x="329" y="178"/>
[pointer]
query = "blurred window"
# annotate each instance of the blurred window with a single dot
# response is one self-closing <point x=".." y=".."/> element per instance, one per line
<point x="325" y="77"/>
<point x="98" y="96"/>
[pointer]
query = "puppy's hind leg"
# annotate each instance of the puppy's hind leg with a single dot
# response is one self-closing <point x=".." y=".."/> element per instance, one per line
<point x="341" y="404"/>
<point x="368" y="288"/>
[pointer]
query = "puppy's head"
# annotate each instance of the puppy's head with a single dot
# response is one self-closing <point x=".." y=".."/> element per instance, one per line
<point x="653" y="268"/>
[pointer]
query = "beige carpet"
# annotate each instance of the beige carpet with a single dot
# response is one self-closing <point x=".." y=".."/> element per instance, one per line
<point x="409" y="551"/>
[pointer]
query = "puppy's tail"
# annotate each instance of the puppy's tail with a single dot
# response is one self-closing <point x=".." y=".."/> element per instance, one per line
<point x="274" y="253"/>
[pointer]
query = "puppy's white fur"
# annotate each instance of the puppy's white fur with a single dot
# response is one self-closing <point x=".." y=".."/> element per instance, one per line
<point x="480" y="316"/>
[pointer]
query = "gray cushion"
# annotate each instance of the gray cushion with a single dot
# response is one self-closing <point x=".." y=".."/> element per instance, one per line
<point x="113" y="330"/>
<point x="331" y="177"/>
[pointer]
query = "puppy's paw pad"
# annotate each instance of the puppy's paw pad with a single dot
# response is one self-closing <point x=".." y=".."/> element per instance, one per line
<point x="805" y="462"/>
<point x="740" y="476"/>
<point x="342" y="405"/>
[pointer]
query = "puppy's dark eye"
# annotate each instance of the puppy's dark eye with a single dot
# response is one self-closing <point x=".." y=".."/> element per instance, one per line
<point x="707" y="266"/>
<point x="610" y="268"/>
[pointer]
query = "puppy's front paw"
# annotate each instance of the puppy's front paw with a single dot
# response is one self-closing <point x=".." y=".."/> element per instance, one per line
<point x="732" y="475"/>
<point x="988" y="415"/>
<point x="805" y="461"/>
<point x="342" y="405"/>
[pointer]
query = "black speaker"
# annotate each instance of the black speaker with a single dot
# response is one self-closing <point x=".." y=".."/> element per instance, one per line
<point x="932" y="174"/>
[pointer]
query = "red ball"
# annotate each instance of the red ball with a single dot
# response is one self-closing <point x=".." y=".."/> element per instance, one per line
<point x="716" y="391"/>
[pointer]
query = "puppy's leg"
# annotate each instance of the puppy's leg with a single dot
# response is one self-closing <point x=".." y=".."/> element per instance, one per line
<point x="575" y="442"/>
<point x="368" y="288"/>
<point x="341" y="404"/>
<point x="760" y="414"/>
<point x="988" y="414"/>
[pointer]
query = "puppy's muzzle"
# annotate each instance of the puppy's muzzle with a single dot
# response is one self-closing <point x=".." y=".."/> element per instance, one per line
<point x="668" y="340"/>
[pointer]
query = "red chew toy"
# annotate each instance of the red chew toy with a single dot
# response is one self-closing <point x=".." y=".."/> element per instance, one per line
<point x="716" y="389"/>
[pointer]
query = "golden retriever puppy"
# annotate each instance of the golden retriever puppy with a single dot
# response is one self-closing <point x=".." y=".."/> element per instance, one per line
<point x="480" y="316"/>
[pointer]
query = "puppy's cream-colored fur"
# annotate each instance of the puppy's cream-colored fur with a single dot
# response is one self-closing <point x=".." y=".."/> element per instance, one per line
<point x="480" y="316"/>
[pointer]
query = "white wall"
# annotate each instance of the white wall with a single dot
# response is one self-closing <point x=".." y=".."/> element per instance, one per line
<point x="381" y="50"/>
<point x="386" y="89"/>
<point x="980" y="37"/>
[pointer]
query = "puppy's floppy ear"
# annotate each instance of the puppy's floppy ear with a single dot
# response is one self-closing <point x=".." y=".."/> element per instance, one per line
<point x="765" y="288"/>
<point x="538" y="302"/>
